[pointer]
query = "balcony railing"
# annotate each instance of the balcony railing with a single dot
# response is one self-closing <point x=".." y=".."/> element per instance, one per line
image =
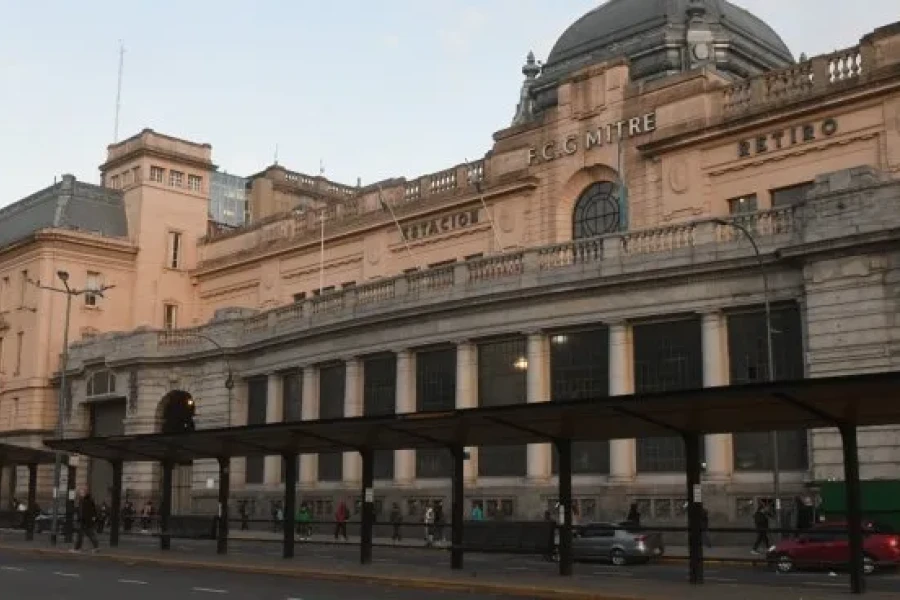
<point x="225" y="244"/>
<point x="818" y="74"/>
<point x="578" y="257"/>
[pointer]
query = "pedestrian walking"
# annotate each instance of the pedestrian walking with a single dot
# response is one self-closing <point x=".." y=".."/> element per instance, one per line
<point x="87" y="521"/>
<point x="704" y="527"/>
<point x="761" y="523"/>
<point x="304" y="522"/>
<point x="396" y="523"/>
<point x="634" y="515"/>
<point x="340" y="518"/>
<point x="428" y="519"/>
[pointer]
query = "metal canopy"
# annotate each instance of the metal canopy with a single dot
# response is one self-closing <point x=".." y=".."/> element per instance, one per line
<point x="12" y="454"/>
<point x="858" y="400"/>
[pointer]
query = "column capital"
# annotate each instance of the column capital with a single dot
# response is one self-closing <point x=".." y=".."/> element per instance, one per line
<point x="463" y="342"/>
<point x="617" y="322"/>
<point x="531" y="332"/>
<point x="711" y="313"/>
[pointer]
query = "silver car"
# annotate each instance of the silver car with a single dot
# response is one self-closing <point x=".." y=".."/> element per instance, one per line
<point x="618" y="543"/>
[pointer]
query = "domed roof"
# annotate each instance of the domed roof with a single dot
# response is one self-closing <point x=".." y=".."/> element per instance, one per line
<point x="654" y="33"/>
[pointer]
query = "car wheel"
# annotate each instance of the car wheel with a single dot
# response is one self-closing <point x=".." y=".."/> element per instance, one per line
<point x="784" y="563"/>
<point x="618" y="558"/>
<point x="868" y="565"/>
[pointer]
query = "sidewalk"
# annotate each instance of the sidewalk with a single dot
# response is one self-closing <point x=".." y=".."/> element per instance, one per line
<point x="737" y="555"/>
<point x="522" y="584"/>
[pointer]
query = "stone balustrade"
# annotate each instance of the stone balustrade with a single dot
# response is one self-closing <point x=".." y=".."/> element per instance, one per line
<point x="291" y="227"/>
<point x="573" y="258"/>
<point x="816" y="75"/>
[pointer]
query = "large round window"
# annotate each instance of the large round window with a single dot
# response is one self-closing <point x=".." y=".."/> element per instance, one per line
<point x="597" y="211"/>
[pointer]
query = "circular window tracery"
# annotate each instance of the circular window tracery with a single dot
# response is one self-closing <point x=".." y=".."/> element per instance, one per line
<point x="597" y="211"/>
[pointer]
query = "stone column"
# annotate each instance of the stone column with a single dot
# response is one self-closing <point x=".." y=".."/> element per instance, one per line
<point x="405" y="402"/>
<point x="309" y="411"/>
<point x="274" y="414"/>
<point x="538" y="377"/>
<point x="622" y="453"/>
<point x="467" y="396"/>
<point x="719" y="455"/>
<point x="353" y="407"/>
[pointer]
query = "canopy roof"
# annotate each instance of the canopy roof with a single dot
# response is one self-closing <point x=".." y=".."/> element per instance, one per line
<point x="12" y="454"/>
<point x="859" y="400"/>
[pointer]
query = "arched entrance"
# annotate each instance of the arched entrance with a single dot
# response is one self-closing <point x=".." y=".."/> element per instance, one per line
<point x="175" y="414"/>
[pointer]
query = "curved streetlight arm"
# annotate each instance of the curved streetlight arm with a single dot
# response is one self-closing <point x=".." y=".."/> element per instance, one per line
<point x="776" y="470"/>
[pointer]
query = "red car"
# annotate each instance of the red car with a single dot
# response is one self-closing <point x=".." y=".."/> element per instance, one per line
<point x="827" y="546"/>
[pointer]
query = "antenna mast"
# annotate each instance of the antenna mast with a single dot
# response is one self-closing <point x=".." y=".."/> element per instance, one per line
<point x="119" y="90"/>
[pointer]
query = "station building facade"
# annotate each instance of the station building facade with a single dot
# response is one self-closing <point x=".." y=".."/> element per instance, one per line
<point x="592" y="252"/>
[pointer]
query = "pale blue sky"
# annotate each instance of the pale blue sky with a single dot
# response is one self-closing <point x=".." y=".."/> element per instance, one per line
<point x="374" y="88"/>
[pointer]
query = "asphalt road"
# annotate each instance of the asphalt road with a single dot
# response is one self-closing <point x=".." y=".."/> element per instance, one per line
<point x="23" y="577"/>
<point x="324" y="555"/>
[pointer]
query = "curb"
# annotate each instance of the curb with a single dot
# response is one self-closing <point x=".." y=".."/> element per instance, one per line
<point x="535" y="593"/>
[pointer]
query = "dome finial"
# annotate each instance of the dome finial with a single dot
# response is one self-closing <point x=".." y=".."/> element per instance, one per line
<point x="531" y="69"/>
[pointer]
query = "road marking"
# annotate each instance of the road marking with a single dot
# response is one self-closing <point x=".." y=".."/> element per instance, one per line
<point x="614" y="573"/>
<point x="823" y="584"/>
<point x="61" y="574"/>
<point x="15" y="569"/>
<point x="133" y="581"/>
<point x="721" y="579"/>
<point x="209" y="590"/>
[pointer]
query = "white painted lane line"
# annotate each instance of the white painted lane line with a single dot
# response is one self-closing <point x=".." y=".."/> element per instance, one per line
<point x="518" y="568"/>
<point x="133" y="582"/>
<point x="61" y="574"/>
<point x="823" y="584"/>
<point x="209" y="590"/>
<point x="721" y="579"/>
<point x="13" y="569"/>
<point x="614" y="573"/>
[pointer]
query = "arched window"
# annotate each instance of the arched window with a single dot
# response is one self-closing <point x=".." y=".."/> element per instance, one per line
<point x="597" y="211"/>
<point x="101" y="383"/>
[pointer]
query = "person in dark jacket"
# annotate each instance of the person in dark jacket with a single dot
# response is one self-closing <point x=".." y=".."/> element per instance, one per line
<point x="87" y="520"/>
<point x="396" y="523"/>
<point x="761" y="523"/>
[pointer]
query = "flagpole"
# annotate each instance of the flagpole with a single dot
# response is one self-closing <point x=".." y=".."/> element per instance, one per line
<point x="486" y="211"/>
<point x="321" y="250"/>
<point x="389" y="208"/>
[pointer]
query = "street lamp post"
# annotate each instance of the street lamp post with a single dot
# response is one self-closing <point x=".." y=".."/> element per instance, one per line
<point x="776" y="469"/>
<point x="70" y="292"/>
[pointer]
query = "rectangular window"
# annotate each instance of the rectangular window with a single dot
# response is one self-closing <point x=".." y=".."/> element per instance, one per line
<point x="292" y="396"/>
<point x="502" y="377"/>
<point x="157" y="174"/>
<point x="379" y="398"/>
<point x="1" y="354"/>
<point x="20" y="342"/>
<point x="126" y="178"/>
<point x="791" y="195"/>
<point x="257" y="404"/>
<point x="174" y="258"/>
<point x="742" y="205"/>
<point x="195" y="183"/>
<point x="170" y="316"/>
<point x="435" y="391"/>
<point x="176" y="179"/>
<point x="4" y="291"/>
<point x="668" y="356"/>
<point x="114" y="182"/>
<point x="137" y="174"/>
<point x="92" y="283"/>
<point x="23" y="289"/>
